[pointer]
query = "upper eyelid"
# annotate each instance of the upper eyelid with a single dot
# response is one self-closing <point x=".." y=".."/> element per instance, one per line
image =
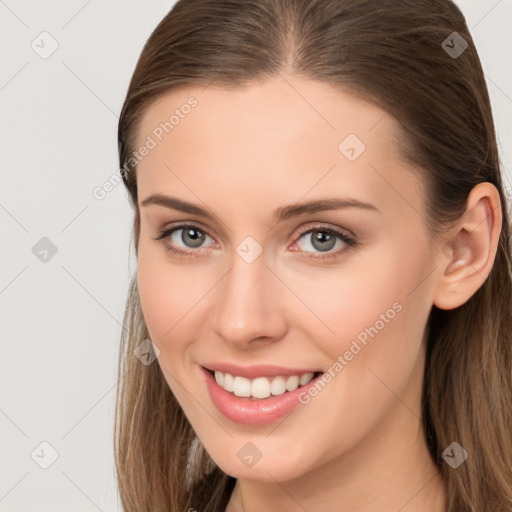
<point x="183" y="225"/>
<point x="326" y="227"/>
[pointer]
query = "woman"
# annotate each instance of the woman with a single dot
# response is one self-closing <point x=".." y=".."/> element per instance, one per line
<point x="321" y="315"/>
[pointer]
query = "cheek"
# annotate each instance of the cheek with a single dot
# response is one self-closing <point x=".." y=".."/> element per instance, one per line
<point x="161" y="291"/>
<point x="165" y="302"/>
<point x="374" y="359"/>
<point x="171" y="295"/>
<point x="152" y="293"/>
<point x="376" y="311"/>
<point x="386" y="328"/>
<point x="367" y="289"/>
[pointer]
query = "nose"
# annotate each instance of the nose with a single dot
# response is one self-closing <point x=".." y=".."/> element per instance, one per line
<point x="250" y="304"/>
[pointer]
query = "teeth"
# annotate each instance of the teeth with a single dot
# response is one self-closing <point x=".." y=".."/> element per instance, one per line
<point x="261" y="387"/>
<point x="219" y="378"/>
<point x="278" y="386"/>
<point x="292" y="383"/>
<point x="304" y="379"/>
<point x="228" y="382"/>
<point x="242" y="386"/>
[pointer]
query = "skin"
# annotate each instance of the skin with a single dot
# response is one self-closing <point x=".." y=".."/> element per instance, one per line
<point x="357" y="445"/>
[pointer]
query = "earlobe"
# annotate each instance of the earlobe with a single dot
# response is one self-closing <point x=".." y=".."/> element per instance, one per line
<point x="468" y="255"/>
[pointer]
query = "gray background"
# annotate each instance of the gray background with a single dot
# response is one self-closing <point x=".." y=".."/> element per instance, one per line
<point x="61" y="318"/>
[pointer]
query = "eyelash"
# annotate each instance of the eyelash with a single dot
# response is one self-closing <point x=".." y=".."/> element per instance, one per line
<point x="348" y="240"/>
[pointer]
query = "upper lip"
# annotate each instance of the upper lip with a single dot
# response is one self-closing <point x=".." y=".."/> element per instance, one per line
<point x="260" y="370"/>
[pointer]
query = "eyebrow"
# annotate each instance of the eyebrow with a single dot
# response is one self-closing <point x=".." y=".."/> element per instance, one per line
<point x="279" y="214"/>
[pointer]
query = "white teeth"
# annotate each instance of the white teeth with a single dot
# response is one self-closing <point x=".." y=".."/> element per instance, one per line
<point x="219" y="378"/>
<point x="242" y="386"/>
<point x="292" y="383"/>
<point x="278" y="386"/>
<point x="261" y="387"/>
<point x="304" y="379"/>
<point x="228" y="382"/>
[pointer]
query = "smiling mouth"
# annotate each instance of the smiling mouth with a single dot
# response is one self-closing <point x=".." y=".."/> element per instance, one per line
<point x="261" y="387"/>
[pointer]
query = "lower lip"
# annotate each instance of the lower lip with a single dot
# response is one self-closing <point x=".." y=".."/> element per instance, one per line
<point x="254" y="411"/>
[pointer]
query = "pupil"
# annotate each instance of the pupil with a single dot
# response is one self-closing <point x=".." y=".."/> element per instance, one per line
<point x="326" y="240"/>
<point x="197" y="240"/>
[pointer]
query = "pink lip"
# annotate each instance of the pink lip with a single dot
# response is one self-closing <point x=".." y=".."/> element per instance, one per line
<point x="252" y="372"/>
<point x="253" y="411"/>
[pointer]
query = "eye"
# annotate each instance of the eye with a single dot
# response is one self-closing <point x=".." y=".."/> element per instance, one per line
<point x="191" y="236"/>
<point x="324" y="240"/>
<point x="189" y="240"/>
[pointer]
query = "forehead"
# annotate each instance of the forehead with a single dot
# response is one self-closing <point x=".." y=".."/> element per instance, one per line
<point x="270" y="114"/>
<point x="283" y="138"/>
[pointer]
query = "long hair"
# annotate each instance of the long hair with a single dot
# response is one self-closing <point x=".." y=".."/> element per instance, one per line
<point x="402" y="55"/>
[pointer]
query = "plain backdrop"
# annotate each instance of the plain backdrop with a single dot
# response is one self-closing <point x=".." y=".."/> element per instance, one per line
<point x="66" y="262"/>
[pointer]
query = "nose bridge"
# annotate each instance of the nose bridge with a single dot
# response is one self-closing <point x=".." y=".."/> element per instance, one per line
<point x="247" y="306"/>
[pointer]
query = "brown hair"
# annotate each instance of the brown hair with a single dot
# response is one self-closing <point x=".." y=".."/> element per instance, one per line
<point x="392" y="53"/>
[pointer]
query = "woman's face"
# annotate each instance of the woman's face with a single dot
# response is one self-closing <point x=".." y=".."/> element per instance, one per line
<point x="267" y="290"/>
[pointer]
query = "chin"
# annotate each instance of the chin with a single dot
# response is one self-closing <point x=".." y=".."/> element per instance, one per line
<point x="266" y="469"/>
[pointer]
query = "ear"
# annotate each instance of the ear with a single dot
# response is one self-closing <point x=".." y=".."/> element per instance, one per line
<point x="468" y="254"/>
